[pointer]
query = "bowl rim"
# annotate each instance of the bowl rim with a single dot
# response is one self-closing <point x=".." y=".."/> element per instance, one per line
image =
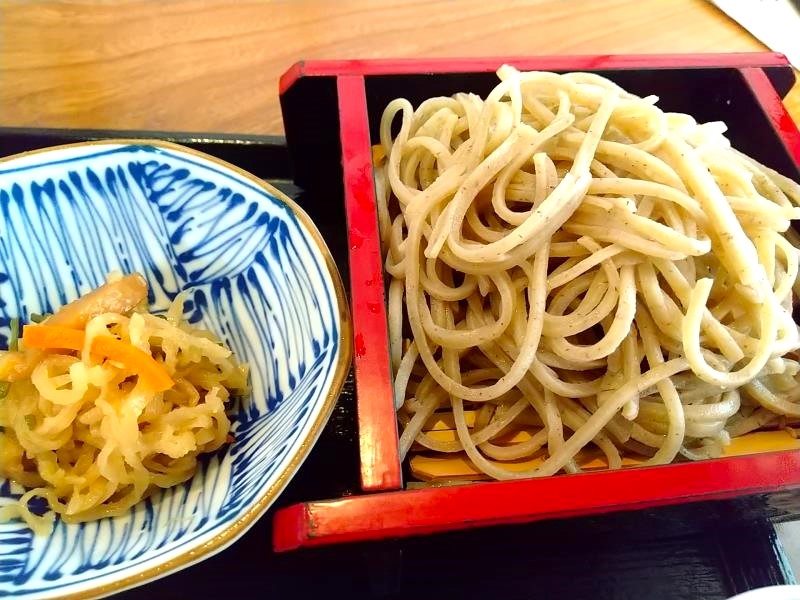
<point x="239" y="526"/>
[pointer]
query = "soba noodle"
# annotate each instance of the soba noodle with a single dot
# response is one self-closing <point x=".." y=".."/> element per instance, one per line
<point x="565" y="253"/>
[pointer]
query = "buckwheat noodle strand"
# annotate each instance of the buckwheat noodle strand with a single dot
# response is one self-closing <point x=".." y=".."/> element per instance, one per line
<point x="570" y="261"/>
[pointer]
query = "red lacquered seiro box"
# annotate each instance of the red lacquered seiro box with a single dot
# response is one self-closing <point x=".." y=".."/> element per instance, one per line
<point x="331" y="112"/>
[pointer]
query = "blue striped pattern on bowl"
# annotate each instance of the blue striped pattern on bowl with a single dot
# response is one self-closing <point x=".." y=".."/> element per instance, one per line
<point x="257" y="274"/>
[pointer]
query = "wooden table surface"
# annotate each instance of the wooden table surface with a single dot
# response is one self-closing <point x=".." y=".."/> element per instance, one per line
<point x="213" y="65"/>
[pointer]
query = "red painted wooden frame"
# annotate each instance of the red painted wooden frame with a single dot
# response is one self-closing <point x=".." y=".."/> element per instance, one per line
<point x="432" y="510"/>
<point x="400" y="513"/>
<point x="773" y="106"/>
<point x="405" y="66"/>
<point x="377" y="430"/>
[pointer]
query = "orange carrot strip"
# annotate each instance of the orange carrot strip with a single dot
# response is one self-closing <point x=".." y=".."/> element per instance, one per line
<point x="52" y="336"/>
<point x="140" y="362"/>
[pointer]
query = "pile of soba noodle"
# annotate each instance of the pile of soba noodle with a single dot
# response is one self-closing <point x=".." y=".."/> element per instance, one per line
<point x="566" y="254"/>
<point x="92" y="429"/>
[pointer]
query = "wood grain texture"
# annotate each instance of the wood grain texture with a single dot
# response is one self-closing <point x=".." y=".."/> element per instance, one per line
<point x="213" y="65"/>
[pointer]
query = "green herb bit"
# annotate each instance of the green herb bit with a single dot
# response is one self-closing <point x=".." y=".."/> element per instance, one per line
<point x="4" y="387"/>
<point x="30" y="421"/>
<point x="38" y="318"/>
<point x="13" y="340"/>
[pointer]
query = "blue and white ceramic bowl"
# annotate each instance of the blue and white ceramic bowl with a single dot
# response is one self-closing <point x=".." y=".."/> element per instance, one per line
<point x="259" y="275"/>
